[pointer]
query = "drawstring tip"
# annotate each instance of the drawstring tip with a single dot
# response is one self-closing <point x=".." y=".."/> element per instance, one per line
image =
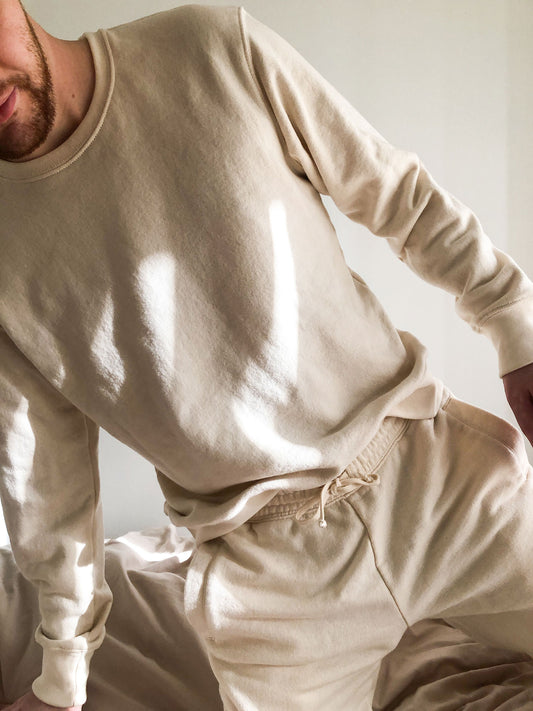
<point x="323" y="523"/>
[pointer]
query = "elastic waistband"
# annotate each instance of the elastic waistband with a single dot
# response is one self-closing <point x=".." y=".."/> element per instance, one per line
<point x="360" y="471"/>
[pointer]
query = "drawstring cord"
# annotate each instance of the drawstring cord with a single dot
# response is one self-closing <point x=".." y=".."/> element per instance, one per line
<point x="340" y="485"/>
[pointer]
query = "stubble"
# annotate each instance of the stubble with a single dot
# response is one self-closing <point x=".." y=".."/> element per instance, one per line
<point x="23" y="135"/>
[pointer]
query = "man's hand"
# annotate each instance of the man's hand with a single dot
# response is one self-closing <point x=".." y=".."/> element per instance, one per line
<point x="29" y="702"/>
<point x="518" y="386"/>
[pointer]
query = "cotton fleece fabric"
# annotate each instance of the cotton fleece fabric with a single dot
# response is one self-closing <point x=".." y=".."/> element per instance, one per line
<point x="169" y="273"/>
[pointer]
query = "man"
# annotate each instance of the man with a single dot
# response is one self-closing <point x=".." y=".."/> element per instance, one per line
<point x="170" y="274"/>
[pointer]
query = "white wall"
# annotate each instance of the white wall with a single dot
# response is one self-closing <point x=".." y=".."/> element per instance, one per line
<point x="449" y="79"/>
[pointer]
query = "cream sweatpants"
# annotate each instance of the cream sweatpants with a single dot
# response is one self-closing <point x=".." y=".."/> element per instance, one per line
<point x="298" y="606"/>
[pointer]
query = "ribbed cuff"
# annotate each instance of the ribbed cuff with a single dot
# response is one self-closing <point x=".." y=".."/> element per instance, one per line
<point x="511" y="332"/>
<point x="63" y="681"/>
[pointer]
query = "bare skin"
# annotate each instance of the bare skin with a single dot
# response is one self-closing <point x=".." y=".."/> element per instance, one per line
<point x="55" y="81"/>
<point x="518" y="386"/>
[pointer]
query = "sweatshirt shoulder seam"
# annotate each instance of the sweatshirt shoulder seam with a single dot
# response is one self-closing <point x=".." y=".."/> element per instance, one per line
<point x="247" y="51"/>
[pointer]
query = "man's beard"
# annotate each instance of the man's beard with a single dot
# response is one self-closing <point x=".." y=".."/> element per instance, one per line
<point x="20" y="139"/>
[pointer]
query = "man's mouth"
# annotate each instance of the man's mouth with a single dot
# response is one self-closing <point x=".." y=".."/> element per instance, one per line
<point x="8" y="106"/>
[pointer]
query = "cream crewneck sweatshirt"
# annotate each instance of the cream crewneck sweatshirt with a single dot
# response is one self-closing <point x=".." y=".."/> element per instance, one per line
<point x="170" y="274"/>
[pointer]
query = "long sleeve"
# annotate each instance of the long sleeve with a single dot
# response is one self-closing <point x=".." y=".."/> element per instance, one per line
<point x="389" y="191"/>
<point x="49" y="488"/>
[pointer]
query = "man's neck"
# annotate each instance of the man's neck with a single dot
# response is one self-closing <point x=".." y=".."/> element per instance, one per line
<point x="74" y="87"/>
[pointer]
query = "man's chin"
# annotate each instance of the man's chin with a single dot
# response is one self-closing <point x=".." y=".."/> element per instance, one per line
<point x="19" y="149"/>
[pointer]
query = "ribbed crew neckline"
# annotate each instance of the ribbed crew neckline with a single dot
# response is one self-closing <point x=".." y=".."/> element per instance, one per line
<point x="75" y="145"/>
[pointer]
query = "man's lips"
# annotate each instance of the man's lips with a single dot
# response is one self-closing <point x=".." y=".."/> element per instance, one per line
<point x="7" y="105"/>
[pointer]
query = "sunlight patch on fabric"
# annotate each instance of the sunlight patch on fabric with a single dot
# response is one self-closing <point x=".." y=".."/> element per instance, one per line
<point x="271" y="379"/>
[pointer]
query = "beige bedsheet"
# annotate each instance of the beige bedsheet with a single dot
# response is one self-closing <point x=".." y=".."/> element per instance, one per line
<point x="151" y="660"/>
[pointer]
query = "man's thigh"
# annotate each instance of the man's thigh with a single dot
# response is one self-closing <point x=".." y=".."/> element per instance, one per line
<point x="294" y="615"/>
<point x="452" y="525"/>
